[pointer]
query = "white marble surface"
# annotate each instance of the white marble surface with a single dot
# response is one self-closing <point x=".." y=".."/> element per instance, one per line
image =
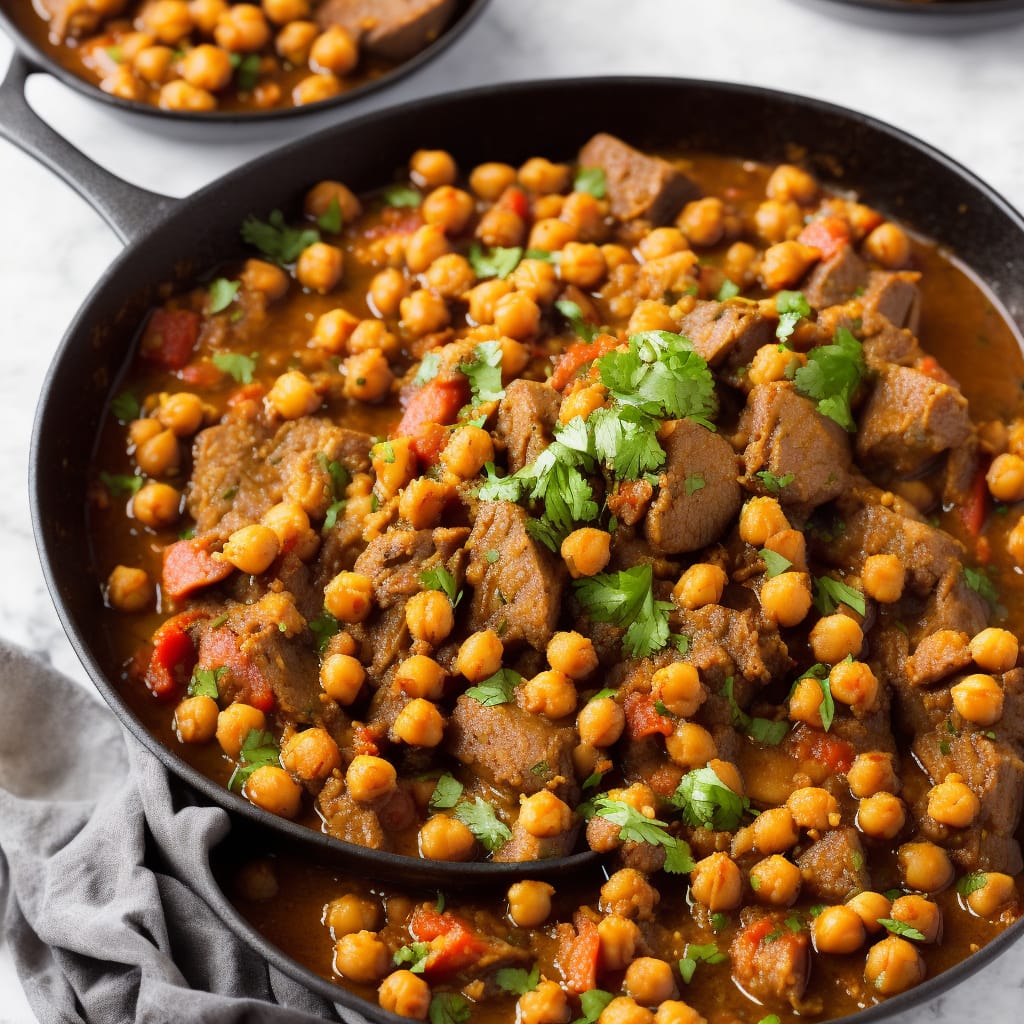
<point x="961" y="93"/>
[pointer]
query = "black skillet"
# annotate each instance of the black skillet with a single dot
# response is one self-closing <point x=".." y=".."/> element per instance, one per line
<point x="15" y="16"/>
<point x="173" y="241"/>
<point x="936" y="16"/>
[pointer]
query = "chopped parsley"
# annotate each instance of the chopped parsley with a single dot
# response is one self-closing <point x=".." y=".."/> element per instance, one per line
<point x="972" y="883"/>
<point x="484" y="372"/>
<point x="496" y="689"/>
<point x="540" y="768"/>
<point x="449" y="1008"/>
<point x="446" y="793"/>
<point x="222" y="293"/>
<point x="125" y="406"/>
<point x="331" y="220"/>
<point x="707" y="802"/>
<point x="236" y="365"/>
<point x="792" y="307"/>
<point x="494" y="262"/>
<point x="764" y="730"/>
<point x="439" y="578"/>
<point x="204" y="682"/>
<point x="121" y="486"/>
<point x="636" y="827"/>
<point x="980" y="583"/>
<point x="333" y="511"/>
<point x="259" y="749"/>
<point x="247" y="70"/>
<point x="772" y="483"/>
<point x="413" y="957"/>
<point x="572" y="312"/>
<point x="831" y="377"/>
<point x="276" y="240"/>
<point x="602" y="694"/>
<point x="323" y="628"/>
<point x="480" y="819"/>
<point x="336" y="473"/>
<point x="544" y="255"/>
<point x="623" y="439"/>
<point x="592" y="181"/>
<point x="694" y="482"/>
<point x="115" y="53"/>
<point x="592" y="1002"/>
<point x="517" y="980"/>
<point x="830" y="593"/>
<point x="772" y="1018"/>
<point x="719" y="921"/>
<point x="901" y="928"/>
<point x="729" y="290"/>
<point x="402" y="195"/>
<point x="625" y="599"/>
<point x="429" y="365"/>
<point x="695" y="954"/>
<point x="774" y="563"/>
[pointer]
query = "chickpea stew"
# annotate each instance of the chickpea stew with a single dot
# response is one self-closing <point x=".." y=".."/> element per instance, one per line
<point x="199" y="56"/>
<point x="647" y="504"/>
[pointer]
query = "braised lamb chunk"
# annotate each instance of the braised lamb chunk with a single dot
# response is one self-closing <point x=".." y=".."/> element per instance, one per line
<point x="726" y="332"/>
<point x="938" y="655"/>
<point x="392" y="29"/>
<point x="526" y="418"/>
<point x="637" y="185"/>
<point x="834" y="867"/>
<point x="909" y="419"/>
<point x="891" y="345"/>
<point x="835" y="280"/>
<point x="348" y="820"/>
<point x="517" y="594"/>
<point x="502" y="743"/>
<point x="698" y="495"/>
<point x="525" y="846"/>
<point x="769" y="961"/>
<point x="787" y="437"/>
<point x="891" y="298"/>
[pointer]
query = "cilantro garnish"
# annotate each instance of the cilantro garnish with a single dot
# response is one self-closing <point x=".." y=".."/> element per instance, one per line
<point x="439" y="905"/>
<point x="764" y="730"/>
<point x="706" y="801"/>
<point x="414" y="955"/>
<point x="247" y="70"/>
<point x="125" y="406"/>
<point x="972" y="883"/>
<point x="429" y="365"/>
<point x="491" y="555"/>
<point x="636" y="827"/>
<point x="543" y="254"/>
<point x="259" y="749"/>
<point x="494" y="262"/>
<point x="791" y="306"/>
<point x="772" y="483"/>
<point x="480" y="819"/>
<point x="484" y="372"/>
<point x="222" y="293"/>
<point x="694" y="482"/>
<point x="446" y="793"/>
<point x="625" y="599"/>
<point x="236" y="365"/>
<point x="449" y="1008"/>
<point x="592" y="1002"/>
<point x="333" y="510"/>
<point x="592" y="181"/>
<point x="626" y="440"/>
<point x="830" y="593"/>
<point x="774" y="563"/>
<point x="980" y="583"/>
<point x="572" y="312"/>
<point x="592" y="781"/>
<point x="402" y="195"/>
<point x="338" y="474"/>
<point x="204" y="682"/>
<point x="516" y="980"/>
<point x="115" y="53"/>
<point x="496" y="689"/>
<point x="276" y="240"/>
<point x="540" y="768"/>
<point x="827" y="708"/>
<point x="695" y="954"/>
<point x="602" y="694"/>
<point x="439" y="578"/>
<point x="323" y="628"/>
<point x="729" y="290"/>
<point x="331" y="220"/>
<point x="772" y="1018"/>
<point x="121" y="486"/>
<point x="901" y="928"/>
<point x="831" y="377"/>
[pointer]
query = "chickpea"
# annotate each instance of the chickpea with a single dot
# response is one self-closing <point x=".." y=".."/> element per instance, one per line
<point x="740" y="262"/>
<point x="776" y="220"/>
<point x="489" y="180"/>
<point x="274" y="790"/>
<point x="883" y="577"/>
<point x="813" y="807"/>
<point x="805" y="702"/>
<point x="786" y="598"/>
<point x="517" y="316"/>
<point x="838" y="930"/>
<point x="293" y="396"/>
<point x="675" y="1011"/>
<point x="387" y="289"/>
<point x="870" y="907"/>
<point x="924" y="866"/>
<point x="406" y="994"/>
<point x="332" y="330"/>
<point x="543" y="815"/>
<point x="449" y="209"/>
<point x="625" y="1010"/>
<point x="774" y="830"/>
<point x="771" y="363"/>
<point x="893" y="965"/>
<point x="422" y="502"/>
<point x="320" y="267"/>
<point x="792" y="184"/>
<point x="252" y="549"/>
<point x="881" y="816"/>
<point x="791" y="545"/>
<point x="349" y="597"/>
<point x="853" y="683"/>
<point x="141" y="431"/>
<point x="629" y="894"/>
<point x="537" y="280"/>
<point x="919" y="913"/>
<point x="280" y="12"/>
<point x="1005" y="478"/>
<point x="835" y="637"/>
<point x="586" y="214"/>
<point x="153" y="65"/>
<point x="311" y="755"/>
<point x="551" y="694"/>
<point x="181" y="413"/>
<point x="651" y="315"/>
<point x="703" y="221"/>
<point x="546" y="1004"/>
<point x="690" y="746"/>
<point x="234" y="723"/>
<point x="717" y="882"/>
<point x="369" y="778"/>
<point x="361" y="957"/>
<point x="444" y="838"/>
<point x="760" y="519"/>
<point x="429" y="616"/>
<point x="953" y="803"/>
<point x="700" y="585"/>
<point x="679" y="688"/>
<point x="619" y="938"/>
<point x="129" y="589"/>
<point x="529" y="903"/>
<point x="1015" y="542"/>
<point x="260" y="276"/>
<point x="334" y="50"/>
<point x="157" y="505"/>
<point x="601" y="722"/>
<point x="207" y="67"/>
<point x="650" y="981"/>
<point x="158" y="454"/>
<point x="368" y="377"/>
<point x="784" y="263"/>
<point x="242" y="28"/>
<point x="483" y="299"/>
<point x="350" y="913"/>
<point x="775" y="881"/>
<point x="501" y="227"/>
<point x="168" y="20"/>
<point x="871" y="773"/>
<point x="572" y="654"/>
<point x="394" y="465"/>
<point x="419" y="724"/>
<point x="582" y="264"/>
<point x="425" y="245"/>
<point x="889" y="245"/>
<point x="997" y="892"/>
<point x="582" y="402"/>
<point x="995" y="650"/>
<point x="372" y="334"/>
<point x="480" y="655"/>
<point x="205" y="13"/>
<point x="290" y="523"/>
<point x="431" y="168"/>
<point x="315" y="89"/>
<point x="978" y="698"/>
<point x="551" y="235"/>
<point x="450" y="276"/>
<point x="423" y="312"/>
<point x="326" y="194"/>
<point x="586" y="551"/>
<point x="467" y="451"/>
<point x="662" y="242"/>
<point x="195" y="719"/>
<point x="342" y="677"/>
<point x="420" y="676"/>
<point x="543" y="177"/>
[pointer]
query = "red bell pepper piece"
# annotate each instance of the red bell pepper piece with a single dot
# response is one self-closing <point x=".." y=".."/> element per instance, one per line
<point x="576" y="356"/>
<point x="578" y="951"/>
<point x="222" y="647"/>
<point x="514" y="199"/>
<point x="455" y="944"/>
<point x="643" y="718"/>
<point x="189" y="566"/>
<point x="201" y="374"/>
<point x="973" y="513"/>
<point x="828" y="235"/>
<point x="435" y="405"/>
<point x="170" y="337"/>
<point x="174" y="655"/>
<point x="808" y="744"/>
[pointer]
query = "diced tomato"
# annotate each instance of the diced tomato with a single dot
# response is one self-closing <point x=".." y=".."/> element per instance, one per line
<point x="931" y="367"/>
<point x="643" y="718"/>
<point x="189" y="566"/>
<point x="174" y="655"/>
<point x="578" y="951"/>
<point x="246" y="393"/>
<point x="455" y="944"/>
<point x="975" y="510"/>
<point x="170" y="337"/>
<point x="514" y="199"/>
<point x="245" y="680"/>
<point x="577" y="355"/>
<point x="429" y="443"/>
<point x="629" y="502"/>
<point x="808" y="744"/>
<point x="364" y="741"/>
<point x="437" y="403"/>
<point x="201" y="374"/>
<point x="828" y="235"/>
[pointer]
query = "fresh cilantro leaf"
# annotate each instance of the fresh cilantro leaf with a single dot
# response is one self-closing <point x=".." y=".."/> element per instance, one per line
<point x="972" y="883"/>
<point x="516" y="980"/>
<point x="446" y="793"/>
<point x="484" y="372"/>
<point x="331" y="220"/>
<point x="772" y="1018"/>
<point x="592" y="781"/>
<point x="439" y="578"/>
<point x="247" y="70"/>
<point x="494" y="262"/>
<point x="543" y="254"/>
<point x="385" y="450"/>
<point x="706" y="801"/>
<point x="729" y="290"/>
<point x="980" y="583"/>
<point x="540" y="768"/>
<point x="125" y="406"/>
<point x="774" y="563"/>
<point x="827" y="708"/>
<point x="791" y="306"/>
<point x="449" y="1008"/>
<point x="830" y="593"/>
<point x="626" y="440"/>
<point x="625" y="599"/>
<point x="323" y="628"/>
<point x="333" y="511"/>
<point x="276" y="240"/>
<point x="602" y="694"/>
<point x="592" y="181"/>
<point x="694" y="482"/>
<point x="719" y="921"/>
<point x="204" y="682"/>
<point x="336" y="472"/>
<point x="259" y="749"/>
<point x="695" y="954"/>
<point x="636" y="827"/>
<point x="794" y="924"/>
<point x="491" y="555"/>
<point x="414" y="955"/>
<point x="764" y="730"/>
<point x="831" y="377"/>
<point x="496" y="689"/>
<point x="480" y="819"/>
<point x="439" y="905"/>
<point x="592" y="1002"/>
<point x="680" y="642"/>
<point x="772" y="483"/>
<point x="219" y="621"/>
<point x="901" y="928"/>
<point x="572" y="312"/>
<point x="819" y="908"/>
<point x="187" y="534"/>
<point x="115" y="53"/>
<point x="429" y="365"/>
<point x="237" y="365"/>
<point x="121" y="486"/>
<point x="402" y="195"/>
<point x="222" y="293"/>
<point x="945" y="748"/>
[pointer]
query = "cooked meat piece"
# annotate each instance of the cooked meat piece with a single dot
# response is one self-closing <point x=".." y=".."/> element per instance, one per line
<point x="524" y="846"/>
<point x="519" y="594"/>
<point x="666" y="277"/>
<point x="891" y="345"/>
<point x="891" y="298"/>
<point x="502" y="743"/>
<point x="348" y="820"/>
<point x="788" y="437"/>
<point x="769" y="961"/>
<point x="526" y="418"/>
<point x="392" y="29"/>
<point x="909" y="419"/>
<point x="723" y="332"/>
<point x="637" y="185"/>
<point x="833" y="868"/>
<point x="699" y="495"/>
<point x="835" y="280"/>
<point x="939" y="655"/>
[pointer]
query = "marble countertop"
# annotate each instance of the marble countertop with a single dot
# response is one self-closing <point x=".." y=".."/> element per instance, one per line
<point x="962" y="93"/>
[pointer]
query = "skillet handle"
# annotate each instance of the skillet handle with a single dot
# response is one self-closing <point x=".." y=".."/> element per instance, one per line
<point x="129" y="210"/>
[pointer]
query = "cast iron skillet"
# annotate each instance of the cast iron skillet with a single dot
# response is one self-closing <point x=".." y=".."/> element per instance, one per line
<point x="172" y="241"/>
<point x="15" y="13"/>
<point x="938" y="16"/>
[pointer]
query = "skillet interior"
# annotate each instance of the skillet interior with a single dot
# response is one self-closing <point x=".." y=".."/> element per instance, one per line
<point x="893" y="172"/>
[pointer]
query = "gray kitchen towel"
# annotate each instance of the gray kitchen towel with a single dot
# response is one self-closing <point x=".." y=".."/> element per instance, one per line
<point x="104" y="889"/>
